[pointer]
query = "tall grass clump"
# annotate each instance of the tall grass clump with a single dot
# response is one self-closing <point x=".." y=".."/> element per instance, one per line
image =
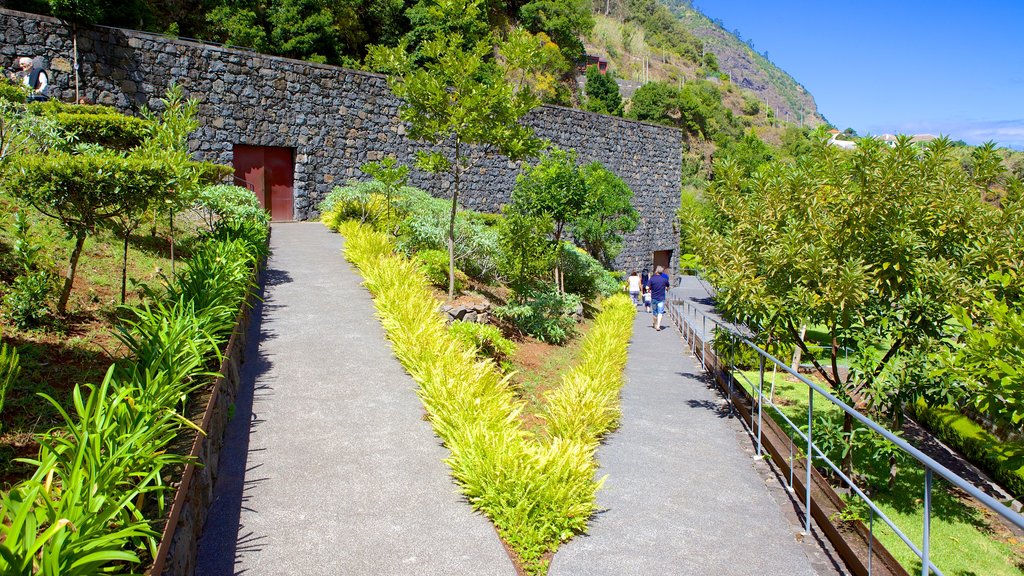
<point x="586" y="405"/>
<point x="538" y="491"/>
<point x="100" y="479"/>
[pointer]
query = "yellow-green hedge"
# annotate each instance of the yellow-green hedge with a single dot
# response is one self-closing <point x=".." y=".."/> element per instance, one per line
<point x="539" y="490"/>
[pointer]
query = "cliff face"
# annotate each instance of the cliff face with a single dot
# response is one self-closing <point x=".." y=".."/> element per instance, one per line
<point x="789" y="100"/>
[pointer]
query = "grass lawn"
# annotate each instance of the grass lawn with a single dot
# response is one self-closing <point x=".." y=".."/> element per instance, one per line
<point x="965" y="539"/>
<point x="78" y="347"/>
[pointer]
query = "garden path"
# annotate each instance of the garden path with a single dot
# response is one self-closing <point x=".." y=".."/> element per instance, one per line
<point x="329" y="466"/>
<point x="682" y="495"/>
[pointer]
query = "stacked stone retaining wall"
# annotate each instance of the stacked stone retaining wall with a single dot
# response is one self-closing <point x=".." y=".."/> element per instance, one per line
<point x="336" y="119"/>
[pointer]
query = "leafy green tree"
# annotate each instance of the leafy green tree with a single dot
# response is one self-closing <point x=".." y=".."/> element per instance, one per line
<point x="871" y="247"/>
<point x="553" y="188"/>
<point x="526" y="252"/>
<point x="749" y="153"/>
<point x="392" y="176"/>
<point x="458" y="99"/>
<point x="602" y="92"/>
<point x="431" y="20"/>
<point x="82" y="191"/>
<point x="656" y="102"/>
<point x="609" y="214"/>
<point x="564" y="21"/>
<point x="986" y="167"/>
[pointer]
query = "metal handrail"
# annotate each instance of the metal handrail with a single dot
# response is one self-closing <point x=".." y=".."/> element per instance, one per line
<point x="930" y="465"/>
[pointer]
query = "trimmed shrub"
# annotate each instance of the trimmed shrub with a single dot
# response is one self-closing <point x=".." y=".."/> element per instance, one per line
<point x="16" y="93"/>
<point x="28" y="299"/>
<point x="224" y="203"/>
<point x="114" y="131"/>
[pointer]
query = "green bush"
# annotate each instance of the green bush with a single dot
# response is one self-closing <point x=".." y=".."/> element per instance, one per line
<point x="28" y="299"/>
<point x="487" y="340"/>
<point x="224" y="203"/>
<point x="16" y="93"/>
<point x="585" y="276"/>
<point x="425" y="227"/>
<point x="547" y="316"/>
<point x="52" y="107"/>
<point x="362" y="201"/>
<point x="434" y="264"/>
<point x="115" y="131"/>
<point x="99" y="488"/>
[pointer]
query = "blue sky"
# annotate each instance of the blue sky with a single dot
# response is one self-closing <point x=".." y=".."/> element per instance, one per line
<point x="900" y="66"/>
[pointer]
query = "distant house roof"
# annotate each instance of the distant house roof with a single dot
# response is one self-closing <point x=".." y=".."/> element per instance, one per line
<point x="917" y="138"/>
<point x="834" y="131"/>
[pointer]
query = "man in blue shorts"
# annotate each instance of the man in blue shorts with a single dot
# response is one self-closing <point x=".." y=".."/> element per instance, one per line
<point x="659" y="284"/>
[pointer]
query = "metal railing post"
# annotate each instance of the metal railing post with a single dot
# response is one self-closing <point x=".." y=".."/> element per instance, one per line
<point x="760" y="406"/>
<point x="810" y="459"/>
<point x="871" y="537"/>
<point x="925" y="544"/>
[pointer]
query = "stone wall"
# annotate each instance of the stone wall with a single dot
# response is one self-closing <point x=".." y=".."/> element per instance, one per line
<point x="336" y="119"/>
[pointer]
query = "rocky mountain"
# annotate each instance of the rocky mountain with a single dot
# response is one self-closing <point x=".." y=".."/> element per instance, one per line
<point x="748" y="69"/>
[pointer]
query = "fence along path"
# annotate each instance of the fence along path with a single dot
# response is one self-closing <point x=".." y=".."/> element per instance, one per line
<point x="681" y="495"/>
<point x="329" y="466"/>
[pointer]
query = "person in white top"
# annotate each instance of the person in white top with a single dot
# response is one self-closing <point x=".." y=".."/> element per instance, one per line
<point x="34" y="77"/>
<point x="633" y="283"/>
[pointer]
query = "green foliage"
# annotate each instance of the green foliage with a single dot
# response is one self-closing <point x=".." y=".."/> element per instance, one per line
<point x="545" y="315"/>
<point x="10" y="368"/>
<point x="14" y="93"/>
<point x="83" y="191"/>
<point x="525" y="253"/>
<point x="609" y="214"/>
<point x="585" y="276"/>
<point x="656" y="102"/>
<point x="456" y="97"/>
<point x="564" y="21"/>
<point x="602" y="92"/>
<point x="115" y="131"/>
<point x="426" y="226"/>
<point x="554" y="188"/>
<point x="435" y="269"/>
<point x="1003" y="460"/>
<point x="99" y="486"/>
<point x="487" y="340"/>
<point x="28" y="299"/>
<point x="392" y="177"/>
<point x="987" y="358"/>
<point x="748" y="153"/>
<point x="226" y="203"/>
<point x="363" y="201"/>
<point x="863" y="244"/>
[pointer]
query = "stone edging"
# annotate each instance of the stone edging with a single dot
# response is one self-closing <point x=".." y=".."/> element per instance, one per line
<point x="178" y="548"/>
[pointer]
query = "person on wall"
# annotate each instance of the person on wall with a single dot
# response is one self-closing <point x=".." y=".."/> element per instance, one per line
<point x="659" y="284"/>
<point x="34" y="76"/>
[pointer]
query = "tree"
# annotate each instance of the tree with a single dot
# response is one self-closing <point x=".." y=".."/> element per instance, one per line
<point x="602" y="93"/>
<point x="564" y="21"/>
<point x="553" y="188"/>
<point x="656" y="102"/>
<point x="82" y="191"/>
<point x="609" y="214"/>
<point x="392" y="177"/>
<point x="458" y="99"/>
<point x="870" y="247"/>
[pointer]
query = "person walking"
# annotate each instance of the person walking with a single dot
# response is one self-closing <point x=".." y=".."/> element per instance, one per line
<point x="633" y="285"/>
<point x="659" y="284"/>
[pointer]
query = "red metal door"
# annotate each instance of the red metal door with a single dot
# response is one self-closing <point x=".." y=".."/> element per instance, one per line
<point x="267" y="171"/>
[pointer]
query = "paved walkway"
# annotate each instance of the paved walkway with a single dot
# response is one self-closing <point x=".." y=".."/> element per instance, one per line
<point x="682" y="495"/>
<point x="329" y="466"/>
